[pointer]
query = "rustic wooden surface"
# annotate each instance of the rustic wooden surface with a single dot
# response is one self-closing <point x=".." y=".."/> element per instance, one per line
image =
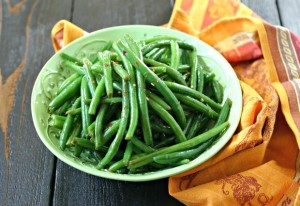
<point x="29" y="173"/>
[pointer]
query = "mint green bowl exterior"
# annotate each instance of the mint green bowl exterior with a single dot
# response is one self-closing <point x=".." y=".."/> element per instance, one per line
<point x="52" y="75"/>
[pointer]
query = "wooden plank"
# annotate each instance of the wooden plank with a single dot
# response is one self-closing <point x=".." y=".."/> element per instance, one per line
<point x="94" y="15"/>
<point x="73" y="187"/>
<point x="266" y="9"/>
<point x="26" y="165"/>
<point x="289" y="14"/>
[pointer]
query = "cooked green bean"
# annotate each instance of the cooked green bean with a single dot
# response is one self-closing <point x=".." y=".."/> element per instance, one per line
<point x="89" y="75"/>
<point x="158" y="83"/>
<point x="175" y="55"/>
<point x="143" y="106"/>
<point x="197" y="105"/>
<point x="57" y="121"/>
<point x="85" y="94"/>
<point x="99" y="123"/>
<point x="127" y="153"/>
<point x="67" y="93"/>
<point x="67" y="128"/>
<point x="74" y="111"/>
<point x="193" y="93"/>
<point x="218" y="91"/>
<point x="188" y="109"/>
<point x="120" y="71"/>
<point x="158" y="69"/>
<point x="97" y="96"/>
<point x="107" y="73"/>
<point x="114" y="146"/>
<point x="68" y="81"/>
<point x="169" y="120"/>
<point x="138" y="162"/>
<point x="141" y="145"/>
<point x="159" y="53"/>
<point x="71" y="58"/>
<point x="174" y="74"/>
<point x="157" y="99"/>
<point x="194" y="68"/>
<point x="134" y="112"/>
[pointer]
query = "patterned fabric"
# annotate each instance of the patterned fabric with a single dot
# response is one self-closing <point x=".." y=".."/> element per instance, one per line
<point x="261" y="163"/>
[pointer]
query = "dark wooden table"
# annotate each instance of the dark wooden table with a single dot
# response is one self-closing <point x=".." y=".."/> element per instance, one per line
<point x="29" y="173"/>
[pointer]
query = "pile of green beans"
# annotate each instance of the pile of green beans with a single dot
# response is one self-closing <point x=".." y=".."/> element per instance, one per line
<point x="139" y="106"/>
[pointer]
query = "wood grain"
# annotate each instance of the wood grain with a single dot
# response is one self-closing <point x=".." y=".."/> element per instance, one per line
<point x="26" y="165"/>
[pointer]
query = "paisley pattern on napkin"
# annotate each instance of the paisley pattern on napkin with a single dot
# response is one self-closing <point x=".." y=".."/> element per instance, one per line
<point x="261" y="163"/>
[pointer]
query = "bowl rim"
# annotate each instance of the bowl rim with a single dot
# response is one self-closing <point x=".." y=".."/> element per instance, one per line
<point x="151" y="175"/>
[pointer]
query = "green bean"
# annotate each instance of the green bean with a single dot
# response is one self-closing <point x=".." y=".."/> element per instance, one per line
<point x="189" y="101"/>
<point x="85" y="94"/>
<point x="83" y="143"/>
<point x="71" y="58"/>
<point x="99" y="139"/>
<point x="108" y="133"/>
<point x="175" y="55"/>
<point x="155" y="126"/>
<point x="69" y="92"/>
<point x="63" y="108"/>
<point x="117" y="86"/>
<point x="169" y="120"/>
<point x="107" y="46"/>
<point x="157" y="99"/>
<point x="76" y="131"/>
<point x="194" y="68"/>
<point x="224" y="113"/>
<point x="146" y="159"/>
<point x="111" y="100"/>
<point x="161" y="43"/>
<point x="57" y="121"/>
<point x="107" y="73"/>
<point x="89" y="75"/>
<point x="66" y="130"/>
<point x="120" y="71"/>
<point x="97" y="96"/>
<point x="116" y="166"/>
<point x="158" y="83"/>
<point x="74" y="111"/>
<point x="97" y="68"/>
<point x="174" y="74"/>
<point x="158" y="38"/>
<point x="188" y="125"/>
<point x="158" y="69"/>
<point x="193" y="93"/>
<point x="158" y="54"/>
<point x="194" y="127"/>
<point x="200" y="80"/>
<point x="143" y="106"/>
<point x="91" y="129"/>
<point x="112" y="110"/>
<point x="151" y="53"/>
<point x="218" y="90"/>
<point x="183" y="67"/>
<point x="165" y="142"/>
<point x="134" y="112"/>
<point x="127" y="153"/>
<point x="209" y="77"/>
<point x="114" y="146"/>
<point x="68" y="81"/>
<point x="141" y="145"/>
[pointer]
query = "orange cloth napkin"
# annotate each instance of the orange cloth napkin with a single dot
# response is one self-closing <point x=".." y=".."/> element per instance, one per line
<point x="261" y="163"/>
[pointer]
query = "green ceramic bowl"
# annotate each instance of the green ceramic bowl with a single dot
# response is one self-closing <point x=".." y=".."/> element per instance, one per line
<point x="51" y="76"/>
